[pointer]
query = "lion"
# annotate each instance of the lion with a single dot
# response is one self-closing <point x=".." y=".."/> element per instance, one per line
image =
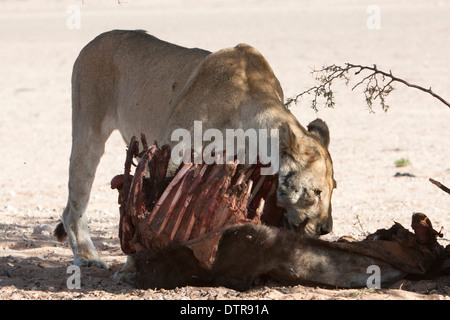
<point x="135" y="83"/>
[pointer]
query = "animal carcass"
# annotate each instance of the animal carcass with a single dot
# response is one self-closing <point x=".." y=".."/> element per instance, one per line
<point x="219" y="224"/>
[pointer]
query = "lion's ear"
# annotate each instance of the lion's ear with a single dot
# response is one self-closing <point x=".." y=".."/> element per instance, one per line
<point x="319" y="128"/>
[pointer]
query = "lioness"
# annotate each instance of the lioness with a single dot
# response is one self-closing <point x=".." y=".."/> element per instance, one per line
<point x="136" y="83"/>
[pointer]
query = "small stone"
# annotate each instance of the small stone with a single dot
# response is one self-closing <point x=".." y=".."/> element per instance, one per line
<point x="11" y="209"/>
<point x="43" y="229"/>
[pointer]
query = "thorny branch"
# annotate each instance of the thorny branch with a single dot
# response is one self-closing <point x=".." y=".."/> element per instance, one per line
<point x="377" y="85"/>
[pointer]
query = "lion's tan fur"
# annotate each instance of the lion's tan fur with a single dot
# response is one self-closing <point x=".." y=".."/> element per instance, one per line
<point x="135" y="83"/>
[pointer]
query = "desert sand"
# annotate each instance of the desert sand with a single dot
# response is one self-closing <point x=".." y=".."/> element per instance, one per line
<point x="40" y="40"/>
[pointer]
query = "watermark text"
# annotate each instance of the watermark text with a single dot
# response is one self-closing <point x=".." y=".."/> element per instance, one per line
<point x="247" y="146"/>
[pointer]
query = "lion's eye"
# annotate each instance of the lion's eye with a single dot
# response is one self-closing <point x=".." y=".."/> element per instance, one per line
<point x="317" y="192"/>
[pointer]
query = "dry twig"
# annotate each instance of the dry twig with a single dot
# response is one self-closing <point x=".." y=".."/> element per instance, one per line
<point x="378" y="85"/>
<point x="440" y="185"/>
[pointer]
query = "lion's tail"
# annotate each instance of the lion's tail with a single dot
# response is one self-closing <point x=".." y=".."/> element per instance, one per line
<point x="60" y="233"/>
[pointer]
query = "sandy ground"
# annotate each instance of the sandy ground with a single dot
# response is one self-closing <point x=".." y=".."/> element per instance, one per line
<point x="37" y="51"/>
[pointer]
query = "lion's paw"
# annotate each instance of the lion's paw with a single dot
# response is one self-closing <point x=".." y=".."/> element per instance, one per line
<point x="128" y="272"/>
<point x="84" y="262"/>
<point x="124" y="276"/>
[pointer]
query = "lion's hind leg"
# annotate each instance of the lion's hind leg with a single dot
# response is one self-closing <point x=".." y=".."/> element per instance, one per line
<point x="91" y="127"/>
<point x="87" y="149"/>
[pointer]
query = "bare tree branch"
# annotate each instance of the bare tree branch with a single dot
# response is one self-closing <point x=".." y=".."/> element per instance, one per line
<point x="375" y="86"/>
<point x="439" y="185"/>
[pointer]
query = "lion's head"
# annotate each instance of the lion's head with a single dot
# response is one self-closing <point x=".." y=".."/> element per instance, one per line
<point x="306" y="180"/>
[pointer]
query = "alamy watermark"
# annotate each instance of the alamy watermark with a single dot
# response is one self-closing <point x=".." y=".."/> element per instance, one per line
<point x="248" y="146"/>
<point x="373" y="22"/>
<point x="374" y="280"/>
<point x="74" y="280"/>
<point x="73" y="21"/>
